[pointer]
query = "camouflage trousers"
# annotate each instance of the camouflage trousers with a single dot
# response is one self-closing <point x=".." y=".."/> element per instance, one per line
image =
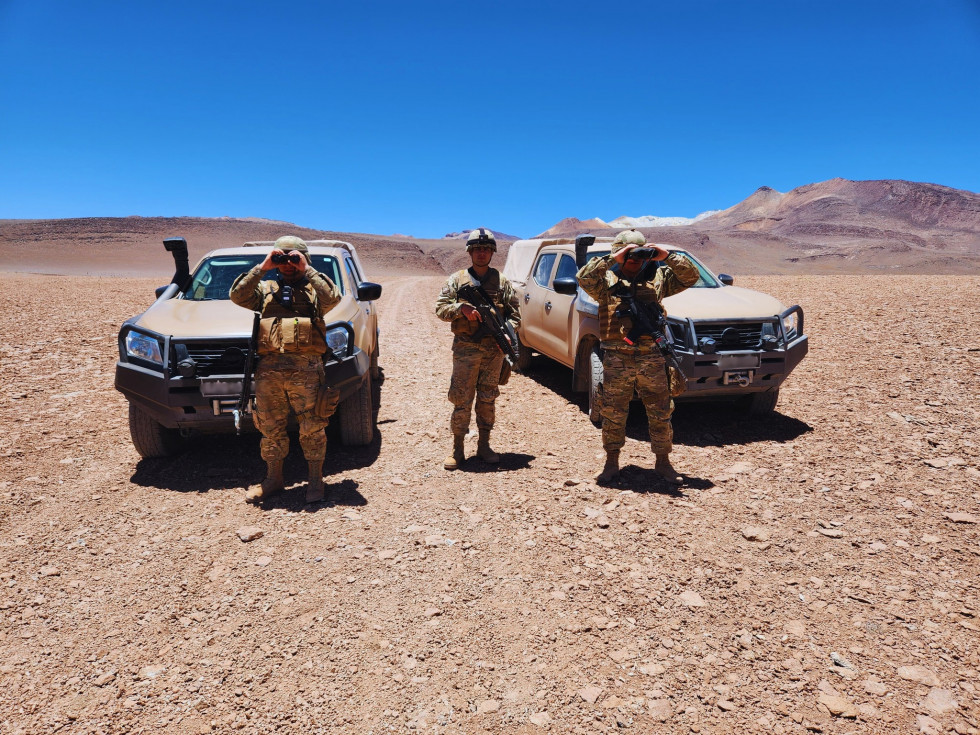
<point x="476" y="372"/>
<point x="642" y="370"/>
<point x="284" y="382"/>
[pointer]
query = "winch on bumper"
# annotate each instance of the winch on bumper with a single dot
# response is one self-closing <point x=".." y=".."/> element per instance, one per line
<point x="199" y="382"/>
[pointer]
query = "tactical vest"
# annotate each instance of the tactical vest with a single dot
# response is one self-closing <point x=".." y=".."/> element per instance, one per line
<point x="614" y="328"/>
<point x="462" y="327"/>
<point x="295" y="329"/>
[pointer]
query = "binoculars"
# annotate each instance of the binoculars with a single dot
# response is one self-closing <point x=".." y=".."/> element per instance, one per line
<point x="641" y="253"/>
<point x="280" y="258"/>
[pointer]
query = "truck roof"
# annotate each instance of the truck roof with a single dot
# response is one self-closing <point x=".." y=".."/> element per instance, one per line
<point x="314" y="245"/>
<point x="522" y="253"/>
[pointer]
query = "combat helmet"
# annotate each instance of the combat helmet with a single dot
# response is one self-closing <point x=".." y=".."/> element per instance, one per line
<point x="288" y="243"/>
<point x="481" y="237"/>
<point x="627" y="237"/>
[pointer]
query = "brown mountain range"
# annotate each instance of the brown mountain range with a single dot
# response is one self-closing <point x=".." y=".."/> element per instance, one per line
<point x="835" y="226"/>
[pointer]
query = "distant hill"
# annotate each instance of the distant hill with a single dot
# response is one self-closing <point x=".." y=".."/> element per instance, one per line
<point x="835" y="226"/>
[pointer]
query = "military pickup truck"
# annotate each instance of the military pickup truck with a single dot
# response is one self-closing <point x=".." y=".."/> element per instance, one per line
<point x="182" y="361"/>
<point x="732" y="343"/>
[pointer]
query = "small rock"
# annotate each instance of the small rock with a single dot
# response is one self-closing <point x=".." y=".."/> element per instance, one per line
<point x="725" y="705"/>
<point x="927" y="725"/>
<point x="387" y="554"/>
<point x="930" y="539"/>
<point x="250" y="533"/>
<point x="795" y="628"/>
<point x="50" y="571"/>
<point x="940" y="701"/>
<point x="541" y="719"/>
<point x="571" y="482"/>
<point x="590" y="694"/>
<point x="872" y="686"/>
<point x="961" y="517"/>
<point x="487" y="706"/>
<point x="263" y="561"/>
<point x="691" y="599"/>
<point x="433" y="541"/>
<point x="838" y="706"/>
<point x="830" y="532"/>
<point x="919" y="674"/>
<point x="756" y="533"/>
<point x="151" y="672"/>
<point x="398" y="481"/>
<point x="104" y="679"/>
<point x="433" y="612"/>
<point x="652" y="669"/>
<point x="660" y="710"/>
<point x="739" y="468"/>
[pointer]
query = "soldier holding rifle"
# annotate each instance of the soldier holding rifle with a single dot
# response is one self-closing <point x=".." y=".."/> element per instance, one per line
<point x="291" y="345"/>
<point x="477" y="357"/>
<point x="631" y="358"/>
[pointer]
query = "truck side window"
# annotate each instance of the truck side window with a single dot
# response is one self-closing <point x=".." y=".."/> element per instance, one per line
<point x="566" y="267"/>
<point x="352" y="271"/>
<point x="542" y="271"/>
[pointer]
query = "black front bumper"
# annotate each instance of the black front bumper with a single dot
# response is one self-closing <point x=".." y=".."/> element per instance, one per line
<point x="207" y="403"/>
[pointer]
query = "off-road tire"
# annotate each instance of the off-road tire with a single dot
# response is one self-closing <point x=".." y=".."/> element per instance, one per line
<point x="150" y="437"/>
<point x="595" y="387"/>
<point x="523" y="356"/>
<point x="761" y="404"/>
<point x="357" y="416"/>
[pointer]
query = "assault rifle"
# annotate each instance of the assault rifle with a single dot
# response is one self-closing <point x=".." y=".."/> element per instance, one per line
<point x="647" y="319"/>
<point x="492" y="320"/>
<point x="245" y="399"/>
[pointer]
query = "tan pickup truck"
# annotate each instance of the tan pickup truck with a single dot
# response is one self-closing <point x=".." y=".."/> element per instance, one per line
<point x="181" y="362"/>
<point x="732" y="343"/>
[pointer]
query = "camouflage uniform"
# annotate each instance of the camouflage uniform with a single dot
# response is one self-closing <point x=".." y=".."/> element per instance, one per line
<point x="476" y="357"/>
<point x="288" y="379"/>
<point x="638" y="367"/>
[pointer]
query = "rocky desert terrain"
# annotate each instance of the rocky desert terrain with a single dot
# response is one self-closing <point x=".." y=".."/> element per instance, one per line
<point x="817" y="572"/>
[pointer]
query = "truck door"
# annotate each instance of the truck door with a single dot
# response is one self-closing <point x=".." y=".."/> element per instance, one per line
<point x="559" y="312"/>
<point x="533" y="299"/>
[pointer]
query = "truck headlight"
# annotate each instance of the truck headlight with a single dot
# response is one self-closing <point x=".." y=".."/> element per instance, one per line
<point x="790" y="324"/>
<point x="337" y="341"/>
<point x="144" y="347"/>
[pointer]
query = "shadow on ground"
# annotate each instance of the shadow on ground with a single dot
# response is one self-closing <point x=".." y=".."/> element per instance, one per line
<point x="221" y="462"/>
<point x="695" y="424"/>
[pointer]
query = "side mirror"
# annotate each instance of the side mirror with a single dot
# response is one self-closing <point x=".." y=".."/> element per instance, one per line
<point x="726" y="279"/>
<point x="567" y="286"/>
<point x="368" y="291"/>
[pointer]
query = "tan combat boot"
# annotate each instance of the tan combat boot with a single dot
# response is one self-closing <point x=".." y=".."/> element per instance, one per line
<point x="483" y="450"/>
<point x="314" y="485"/>
<point x="610" y="470"/>
<point x="272" y="484"/>
<point x="455" y="460"/>
<point x="666" y="470"/>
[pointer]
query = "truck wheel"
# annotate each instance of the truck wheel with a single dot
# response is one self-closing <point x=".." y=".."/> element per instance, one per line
<point x="150" y="437"/>
<point x="761" y="404"/>
<point x="523" y="356"/>
<point x="357" y="416"/>
<point x="595" y="388"/>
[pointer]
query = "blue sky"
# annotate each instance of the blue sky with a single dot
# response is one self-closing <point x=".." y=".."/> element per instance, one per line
<point x="427" y="117"/>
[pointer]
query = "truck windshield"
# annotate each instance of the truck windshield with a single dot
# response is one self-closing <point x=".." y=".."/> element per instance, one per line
<point x="213" y="279"/>
<point x="706" y="279"/>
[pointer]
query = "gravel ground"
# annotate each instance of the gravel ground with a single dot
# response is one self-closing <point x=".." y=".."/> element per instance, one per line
<point x="818" y="572"/>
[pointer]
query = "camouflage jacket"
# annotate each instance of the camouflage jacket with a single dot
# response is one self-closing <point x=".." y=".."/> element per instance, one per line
<point x="600" y="277"/>
<point x="313" y="297"/>
<point x="498" y="288"/>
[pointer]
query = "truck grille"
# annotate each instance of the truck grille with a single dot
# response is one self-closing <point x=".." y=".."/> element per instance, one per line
<point x="213" y="358"/>
<point x="739" y="336"/>
<point x="727" y="336"/>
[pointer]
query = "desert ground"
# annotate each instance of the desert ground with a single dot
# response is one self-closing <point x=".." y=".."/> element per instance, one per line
<point x="817" y="572"/>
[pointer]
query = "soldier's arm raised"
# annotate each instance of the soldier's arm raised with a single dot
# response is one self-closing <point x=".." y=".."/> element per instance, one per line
<point x="327" y="293"/>
<point x="680" y="274"/>
<point x="245" y="291"/>
<point x="592" y="277"/>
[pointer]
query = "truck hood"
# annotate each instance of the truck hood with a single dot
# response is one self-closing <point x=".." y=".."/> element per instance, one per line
<point x="721" y="303"/>
<point x="197" y="318"/>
